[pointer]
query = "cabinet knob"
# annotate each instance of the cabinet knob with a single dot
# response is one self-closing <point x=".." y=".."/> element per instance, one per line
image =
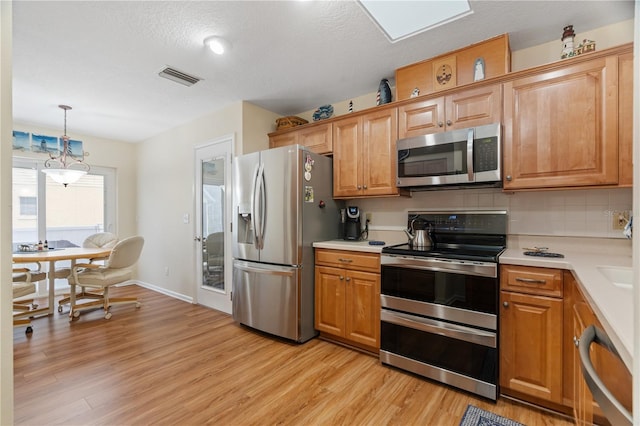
<point x="348" y="279"/>
<point x="341" y="278"/>
<point x="359" y="187"/>
<point x="449" y="123"/>
<point x="505" y="304"/>
<point x="509" y="178"/>
<point x="440" y="124"/>
<point x="576" y="341"/>
<point x="365" y="187"/>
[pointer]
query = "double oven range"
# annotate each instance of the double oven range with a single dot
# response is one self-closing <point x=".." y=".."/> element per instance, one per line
<point x="439" y="306"/>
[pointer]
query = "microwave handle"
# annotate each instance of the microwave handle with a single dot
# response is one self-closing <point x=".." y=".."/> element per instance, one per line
<point x="470" y="154"/>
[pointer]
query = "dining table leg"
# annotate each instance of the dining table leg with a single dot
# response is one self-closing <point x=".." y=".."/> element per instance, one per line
<point x="51" y="274"/>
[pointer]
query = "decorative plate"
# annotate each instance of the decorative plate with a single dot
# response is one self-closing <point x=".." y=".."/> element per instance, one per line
<point x="322" y="113"/>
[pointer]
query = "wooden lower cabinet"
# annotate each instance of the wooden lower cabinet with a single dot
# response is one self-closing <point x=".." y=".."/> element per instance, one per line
<point x="347" y="297"/>
<point x="543" y="313"/>
<point x="531" y="345"/>
<point x="531" y="333"/>
<point x="611" y="370"/>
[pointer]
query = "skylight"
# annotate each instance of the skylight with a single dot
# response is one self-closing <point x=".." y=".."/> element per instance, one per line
<point x="402" y="19"/>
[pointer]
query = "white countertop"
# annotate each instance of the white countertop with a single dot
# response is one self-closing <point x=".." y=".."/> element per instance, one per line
<point x="613" y="305"/>
<point x="350" y="245"/>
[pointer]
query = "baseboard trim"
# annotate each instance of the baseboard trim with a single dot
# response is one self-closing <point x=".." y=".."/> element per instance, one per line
<point x="161" y="290"/>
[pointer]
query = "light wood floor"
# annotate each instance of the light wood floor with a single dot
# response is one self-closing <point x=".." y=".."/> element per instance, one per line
<point x="173" y="363"/>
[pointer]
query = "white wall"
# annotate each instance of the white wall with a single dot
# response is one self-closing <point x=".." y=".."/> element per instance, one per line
<point x="166" y="170"/>
<point x="605" y="37"/>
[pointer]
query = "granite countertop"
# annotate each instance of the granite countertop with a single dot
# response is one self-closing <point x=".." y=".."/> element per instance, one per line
<point x="612" y="304"/>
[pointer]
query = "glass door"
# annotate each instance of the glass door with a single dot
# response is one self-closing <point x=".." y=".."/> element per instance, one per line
<point x="213" y="183"/>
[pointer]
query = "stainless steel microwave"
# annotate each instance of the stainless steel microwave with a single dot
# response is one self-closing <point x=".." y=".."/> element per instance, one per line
<point x="465" y="156"/>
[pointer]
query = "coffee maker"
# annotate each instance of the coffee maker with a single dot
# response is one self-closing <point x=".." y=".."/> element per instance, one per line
<point x="351" y="222"/>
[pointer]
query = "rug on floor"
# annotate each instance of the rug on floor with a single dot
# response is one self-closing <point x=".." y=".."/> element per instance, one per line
<point x="475" y="416"/>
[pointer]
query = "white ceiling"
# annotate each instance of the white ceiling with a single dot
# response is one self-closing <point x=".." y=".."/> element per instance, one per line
<point x="103" y="57"/>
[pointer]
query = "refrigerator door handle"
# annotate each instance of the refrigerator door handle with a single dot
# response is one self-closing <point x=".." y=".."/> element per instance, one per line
<point x="254" y="216"/>
<point x="260" y="208"/>
<point x="246" y="268"/>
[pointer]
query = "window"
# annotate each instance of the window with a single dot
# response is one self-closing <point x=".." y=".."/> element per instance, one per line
<point x="28" y="206"/>
<point x="64" y="216"/>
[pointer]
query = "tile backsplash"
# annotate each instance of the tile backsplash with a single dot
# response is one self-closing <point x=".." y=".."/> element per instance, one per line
<point x="571" y="213"/>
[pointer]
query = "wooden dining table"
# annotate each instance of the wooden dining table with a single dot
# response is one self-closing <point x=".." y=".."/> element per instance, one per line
<point x="52" y="256"/>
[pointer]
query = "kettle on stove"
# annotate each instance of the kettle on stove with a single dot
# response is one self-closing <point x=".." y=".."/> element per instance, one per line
<point x="419" y="235"/>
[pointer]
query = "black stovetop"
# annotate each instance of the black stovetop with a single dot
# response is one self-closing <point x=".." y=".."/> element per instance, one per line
<point x="457" y="252"/>
<point x="471" y="235"/>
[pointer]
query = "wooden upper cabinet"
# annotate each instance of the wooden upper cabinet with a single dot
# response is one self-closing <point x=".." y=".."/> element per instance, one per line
<point x="625" y="118"/>
<point x="561" y="127"/>
<point x="347" y="157"/>
<point x="458" y="110"/>
<point x="318" y="138"/>
<point x="364" y="154"/>
<point x="283" y="139"/>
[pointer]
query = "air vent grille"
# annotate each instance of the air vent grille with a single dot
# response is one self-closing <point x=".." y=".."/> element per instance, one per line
<point x="179" y="76"/>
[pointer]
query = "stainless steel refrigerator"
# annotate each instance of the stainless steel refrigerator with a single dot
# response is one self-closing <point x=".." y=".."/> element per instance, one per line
<point x="282" y="203"/>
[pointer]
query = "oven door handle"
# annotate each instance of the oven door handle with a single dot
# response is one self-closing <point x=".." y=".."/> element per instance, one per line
<point x="470" y="135"/>
<point x="458" y="332"/>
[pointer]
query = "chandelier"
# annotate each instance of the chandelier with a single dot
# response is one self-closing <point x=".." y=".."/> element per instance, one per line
<point x="64" y="168"/>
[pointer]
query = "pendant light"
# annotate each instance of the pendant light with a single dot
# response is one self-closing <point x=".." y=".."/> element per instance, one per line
<point x="64" y="169"/>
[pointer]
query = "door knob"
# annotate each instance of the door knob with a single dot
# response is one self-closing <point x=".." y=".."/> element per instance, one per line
<point x="197" y="239"/>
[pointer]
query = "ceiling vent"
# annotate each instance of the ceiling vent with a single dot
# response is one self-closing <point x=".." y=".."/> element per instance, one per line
<point x="178" y="76"/>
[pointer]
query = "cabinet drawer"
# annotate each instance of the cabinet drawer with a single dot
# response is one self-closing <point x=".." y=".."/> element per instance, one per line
<point x="530" y="280"/>
<point x="349" y="259"/>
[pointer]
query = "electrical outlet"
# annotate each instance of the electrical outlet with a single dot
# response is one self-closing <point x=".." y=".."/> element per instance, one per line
<point x="369" y="217"/>
<point x="166" y="271"/>
<point x="619" y="219"/>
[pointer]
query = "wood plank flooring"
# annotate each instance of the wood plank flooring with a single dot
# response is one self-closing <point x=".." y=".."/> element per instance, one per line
<point x="174" y="363"/>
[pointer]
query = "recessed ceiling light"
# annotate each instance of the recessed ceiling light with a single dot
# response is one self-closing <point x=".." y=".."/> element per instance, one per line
<point x="218" y="45"/>
<point x="401" y="19"/>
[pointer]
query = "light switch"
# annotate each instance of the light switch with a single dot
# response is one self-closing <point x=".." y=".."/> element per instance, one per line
<point x="185" y="218"/>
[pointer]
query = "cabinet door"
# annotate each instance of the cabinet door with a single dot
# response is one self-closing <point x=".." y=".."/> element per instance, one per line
<point x="474" y="107"/>
<point x="561" y="127"/>
<point x="285" y="139"/>
<point x="583" y="400"/>
<point x="363" y="308"/>
<point x="625" y="119"/>
<point x="421" y="118"/>
<point x="531" y="345"/>
<point x="317" y="138"/>
<point x="380" y="133"/>
<point x="330" y="300"/>
<point x="347" y="163"/>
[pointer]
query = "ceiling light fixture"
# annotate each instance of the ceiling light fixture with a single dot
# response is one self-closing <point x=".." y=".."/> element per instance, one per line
<point x="57" y="168"/>
<point x="218" y="45"/>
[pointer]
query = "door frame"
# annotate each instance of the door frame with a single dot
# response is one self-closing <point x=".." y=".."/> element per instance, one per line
<point x="216" y="148"/>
